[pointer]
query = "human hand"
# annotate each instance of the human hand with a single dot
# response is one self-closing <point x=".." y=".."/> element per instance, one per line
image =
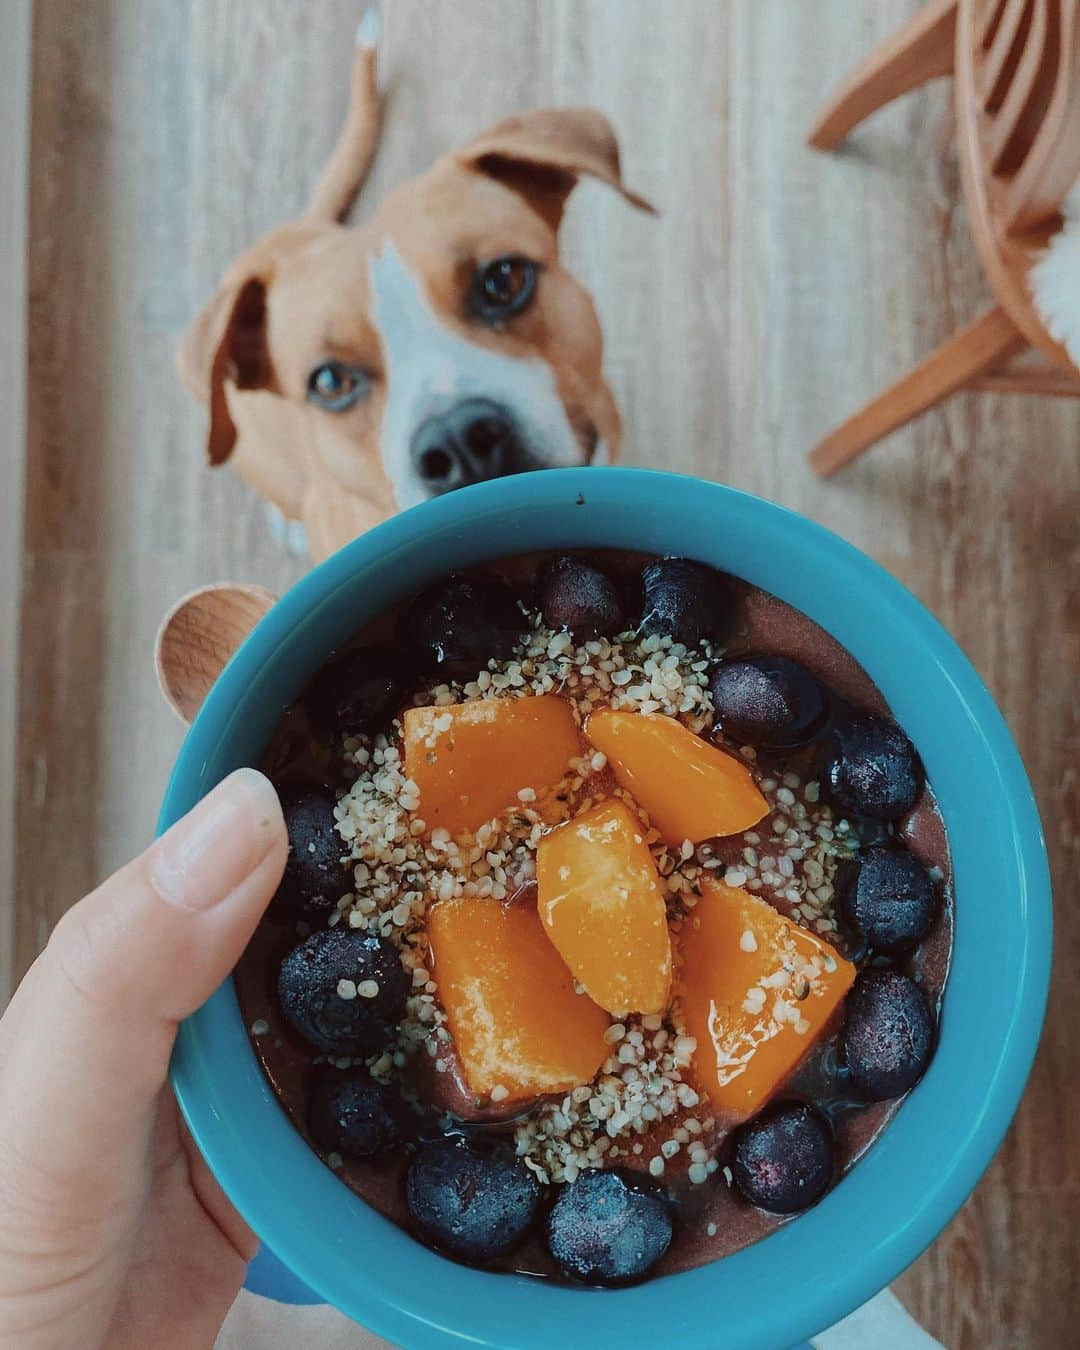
<point x="113" y="1233"/>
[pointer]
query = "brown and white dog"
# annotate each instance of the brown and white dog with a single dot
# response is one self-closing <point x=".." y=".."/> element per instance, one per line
<point x="352" y="372"/>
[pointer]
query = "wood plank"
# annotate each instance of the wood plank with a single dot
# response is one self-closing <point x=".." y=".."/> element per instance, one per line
<point x="777" y="291"/>
<point x="14" y="146"/>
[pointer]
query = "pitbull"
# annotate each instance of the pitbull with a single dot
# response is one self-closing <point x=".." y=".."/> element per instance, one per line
<point x="350" y="372"/>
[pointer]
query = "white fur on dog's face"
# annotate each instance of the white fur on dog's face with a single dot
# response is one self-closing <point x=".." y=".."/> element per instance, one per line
<point x="429" y="368"/>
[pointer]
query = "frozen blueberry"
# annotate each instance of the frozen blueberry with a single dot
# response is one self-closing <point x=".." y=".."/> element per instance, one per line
<point x="783" y="1159"/>
<point x="581" y="600"/>
<point x="308" y="988"/>
<point x="350" y="1113"/>
<point x="355" y="691"/>
<point x="887" y="899"/>
<point x="608" y="1228"/>
<point x="685" y="600"/>
<point x="768" y="701"/>
<point x="473" y="1205"/>
<point x="887" y="1039"/>
<point x="872" y="767"/>
<point x="314" y="878"/>
<point x="460" y="623"/>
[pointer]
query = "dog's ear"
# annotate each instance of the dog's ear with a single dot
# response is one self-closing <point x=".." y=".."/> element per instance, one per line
<point x="227" y="342"/>
<point x="542" y="153"/>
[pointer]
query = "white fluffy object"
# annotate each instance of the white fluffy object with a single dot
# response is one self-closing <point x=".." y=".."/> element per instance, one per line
<point x="1055" y="280"/>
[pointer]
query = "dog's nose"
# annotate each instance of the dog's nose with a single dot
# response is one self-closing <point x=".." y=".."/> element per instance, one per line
<point x="474" y="440"/>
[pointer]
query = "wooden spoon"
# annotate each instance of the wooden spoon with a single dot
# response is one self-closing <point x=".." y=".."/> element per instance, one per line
<point x="198" y="637"/>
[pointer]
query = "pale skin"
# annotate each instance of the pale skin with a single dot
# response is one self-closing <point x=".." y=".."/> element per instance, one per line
<point x="113" y="1233"/>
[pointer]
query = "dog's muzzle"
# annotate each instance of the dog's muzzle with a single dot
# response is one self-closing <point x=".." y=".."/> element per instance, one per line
<point x="474" y="440"/>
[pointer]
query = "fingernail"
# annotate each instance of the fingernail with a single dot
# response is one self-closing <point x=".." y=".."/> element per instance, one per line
<point x="205" y="856"/>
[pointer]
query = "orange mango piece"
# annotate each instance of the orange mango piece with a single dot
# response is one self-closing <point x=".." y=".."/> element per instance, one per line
<point x="601" y="901"/>
<point x="471" y="760"/>
<point x="690" y="789"/>
<point x="756" y="992"/>
<point x="509" y="999"/>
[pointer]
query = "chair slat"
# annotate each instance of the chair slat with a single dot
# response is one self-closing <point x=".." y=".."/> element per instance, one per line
<point x="991" y="18"/>
<point x="1052" y="164"/>
<point x="1004" y="54"/>
<point x="1013" y="128"/>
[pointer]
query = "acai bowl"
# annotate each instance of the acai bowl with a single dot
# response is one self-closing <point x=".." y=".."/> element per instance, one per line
<point x="918" y="1170"/>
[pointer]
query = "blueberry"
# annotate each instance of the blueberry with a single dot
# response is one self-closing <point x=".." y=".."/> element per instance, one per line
<point x="684" y="600"/>
<point x="460" y="623"/>
<point x="608" y="1228"/>
<point x="314" y="878"/>
<point x="887" y="899"/>
<point x="355" y="691"/>
<point x="783" y="1159"/>
<point x="581" y="600"/>
<point x="308" y="991"/>
<point x="887" y="1039"/>
<point x="473" y="1205"/>
<point x="872" y="767"/>
<point x="350" y="1113"/>
<point x="768" y="701"/>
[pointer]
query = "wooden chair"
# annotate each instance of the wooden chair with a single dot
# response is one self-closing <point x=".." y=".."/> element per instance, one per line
<point x="1016" y="65"/>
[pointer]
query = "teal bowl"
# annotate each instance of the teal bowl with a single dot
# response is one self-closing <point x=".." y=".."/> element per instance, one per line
<point x="820" y="1266"/>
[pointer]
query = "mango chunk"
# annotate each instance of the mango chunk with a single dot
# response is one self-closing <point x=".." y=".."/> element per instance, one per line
<point x="471" y="760"/>
<point x="756" y="991"/>
<point x="516" y="1021"/>
<point x="601" y="901"/>
<point x="690" y="789"/>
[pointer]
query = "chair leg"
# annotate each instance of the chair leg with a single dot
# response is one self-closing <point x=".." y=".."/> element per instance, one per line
<point x="921" y="51"/>
<point x="978" y="348"/>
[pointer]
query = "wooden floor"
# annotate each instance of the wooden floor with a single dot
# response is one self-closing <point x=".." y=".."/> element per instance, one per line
<point x="777" y="290"/>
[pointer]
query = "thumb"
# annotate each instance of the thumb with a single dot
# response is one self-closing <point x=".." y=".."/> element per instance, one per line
<point x="85" y="1044"/>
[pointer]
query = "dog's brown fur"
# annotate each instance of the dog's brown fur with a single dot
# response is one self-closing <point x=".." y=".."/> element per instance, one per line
<point x="302" y="294"/>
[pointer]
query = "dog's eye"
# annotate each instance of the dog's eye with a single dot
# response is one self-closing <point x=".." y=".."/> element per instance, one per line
<point x="336" y="386"/>
<point x="503" y="288"/>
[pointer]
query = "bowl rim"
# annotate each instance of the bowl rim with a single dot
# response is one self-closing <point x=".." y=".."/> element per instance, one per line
<point x="417" y="1298"/>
